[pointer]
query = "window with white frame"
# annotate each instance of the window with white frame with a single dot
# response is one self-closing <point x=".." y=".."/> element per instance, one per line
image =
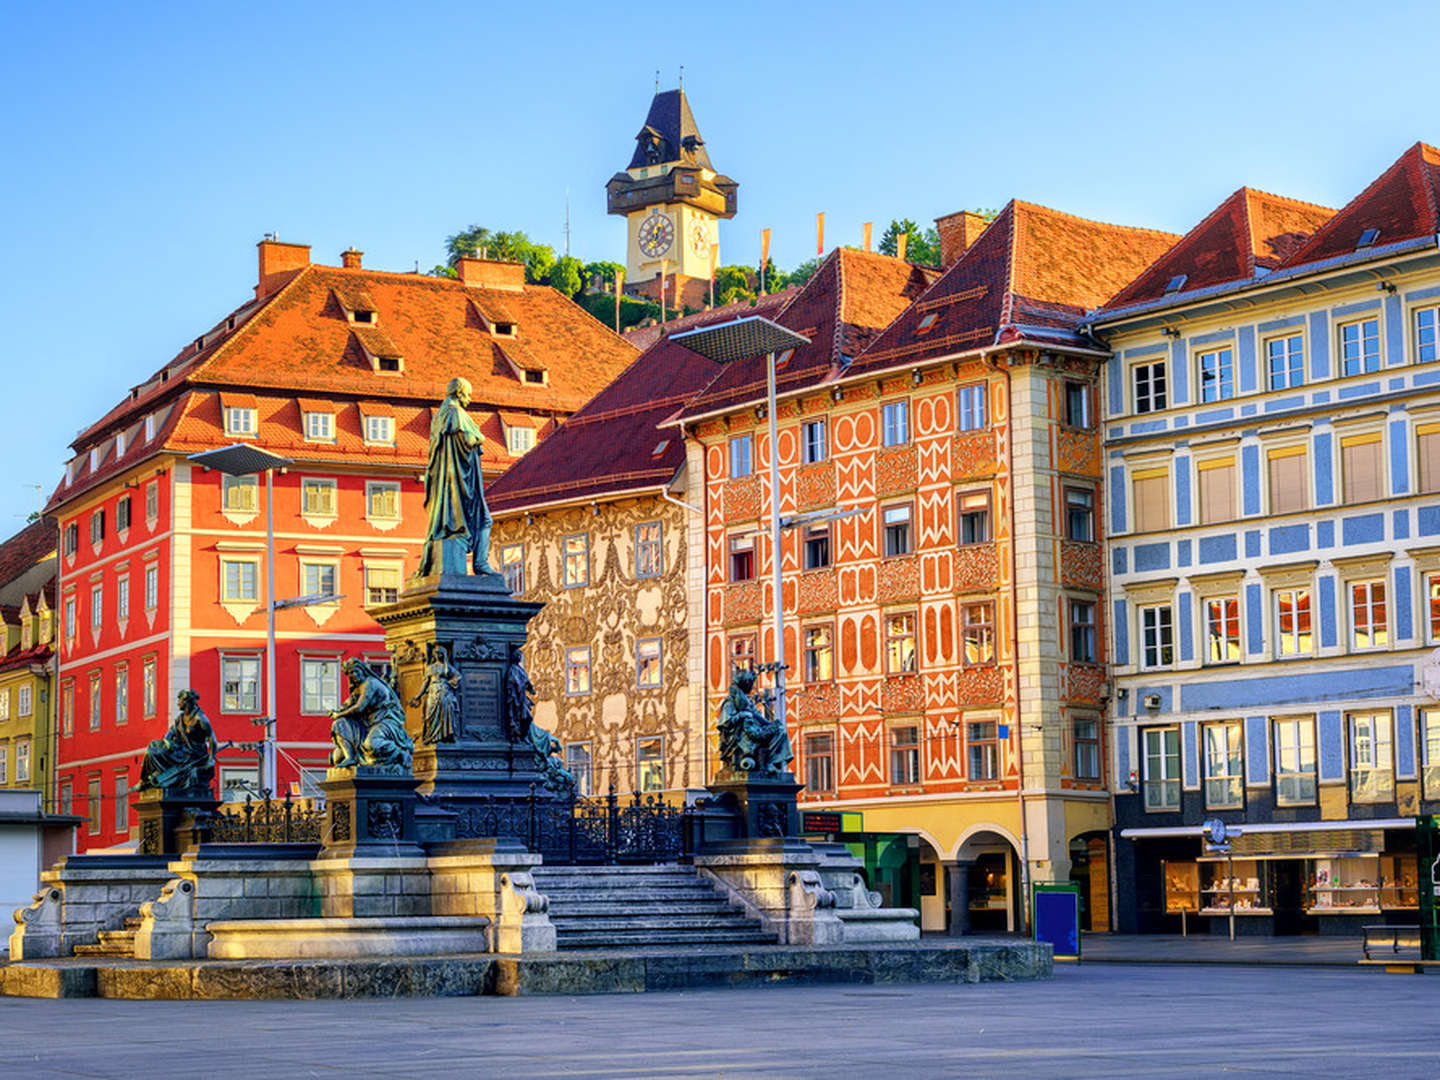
<point x="512" y="565"/>
<point x="1293" y="635"/>
<point x="240" y="682"/>
<point x="1289" y="469"/>
<point x="1430" y="753"/>
<point x="577" y="670"/>
<point x="742" y="557"/>
<point x="978" y="629"/>
<point x="320" y="579"/>
<point x="70" y="616"/>
<point x="1217" y="374"/>
<point x="1157" y="636"/>
<point x="320" y="426"/>
<point x="897" y="534"/>
<point x="647" y="663"/>
<point x="147" y="685"/>
<point x="96" y="700"/>
<point x="1080" y="514"/>
<point x="1223" y="780"/>
<point x="382" y="500"/>
<point x="1222" y="630"/>
<point x="4" y="704"/>
<point x="575" y="553"/>
<point x="97" y="606"/>
<point x="1077" y="405"/>
<point x="1372" y="758"/>
<point x="904" y="755"/>
<point x="1369" y="620"/>
<point x="239" y="420"/>
<point x="741" y="456"/>
<point x="152" y="501"/>
<point x="1215" y="480"/>
<point x="1285" y="361"/>
<point x="971" y="414"/>
<point x="1360" y="347"/>
<point x="649" y="550"/>
<point x="1086" y="733"/>
<point x="22" y="760"/>
<point x="982" y="749"/>
<point x="650" y="763"/>
<point x="972" y="510"/>
<point x="1082" y="632"/>
<point x="122" y="693"/>
<point x="895" y="423"/>
<point x="819" y="653"/>
<point x="122" y="513"/>
<point x="742" y="652"/>
<point x="1162" y="769"/>
<point x="317" y="496"/>
<point x="93" y="806"/>
<point x="1147" y="386"/>
<point x="382" y="584"/>
<point x="97" y="526"/>
<point x="1295" y="761"/>
<point x="815" y="546"/>
<point x="1150" y="496"/>
<point x="122" y="802"/>
<point x="900" y="643"/>
<point x="24" y="699"/>
<point x="4" y="764"/>
<point x="578" y="763"/>
<point x="1432" y="593"/>
<point x="1427" y="335"/>
<point x="380" y="430"/>
<point x="319" y="684"/>
<point x="152" y="587"/>
<point x="122" y="598"/>
<point x="813" y="446"/>
<point x="519" y="438"/>
<point x="1362" y="468"/>
<point x="67" y="707"/>
<point x="239" y="580"/>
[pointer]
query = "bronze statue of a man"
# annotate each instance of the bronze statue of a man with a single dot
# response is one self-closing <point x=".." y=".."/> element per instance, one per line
<point x="185" y="757"/>
<point x="458" y="519"/>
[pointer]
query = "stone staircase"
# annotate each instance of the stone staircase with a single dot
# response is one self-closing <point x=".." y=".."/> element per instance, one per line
<point x="113" y="942"/>
<point x="612" y="907"/>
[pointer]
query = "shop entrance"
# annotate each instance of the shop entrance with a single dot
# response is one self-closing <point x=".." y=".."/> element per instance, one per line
<point x="1090" y="870"/>
<point x="1287" y="883"/>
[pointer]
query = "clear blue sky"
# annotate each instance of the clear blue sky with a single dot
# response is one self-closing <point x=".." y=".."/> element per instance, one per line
<point x="146" y="150"/>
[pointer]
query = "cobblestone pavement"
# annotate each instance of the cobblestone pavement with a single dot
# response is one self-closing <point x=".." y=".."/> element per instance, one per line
<point x="1102" y="1020"/>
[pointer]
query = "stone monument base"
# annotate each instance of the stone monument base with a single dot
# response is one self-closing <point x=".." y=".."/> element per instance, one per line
<point x="282" y="939"/>
<point x="162" y="813"/>
<point x="371" y="812"/>
<point x="763" y="802"/>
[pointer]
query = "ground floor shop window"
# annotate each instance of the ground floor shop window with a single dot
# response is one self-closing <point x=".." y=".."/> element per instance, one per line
<point x="1239" y="883"/>
<point x="990" y="892"/>
<point x="1430" y="752"/>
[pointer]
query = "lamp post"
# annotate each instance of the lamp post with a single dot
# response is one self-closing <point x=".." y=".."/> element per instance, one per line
<point x="242" y="459"/>
<point x="743" y="339"/>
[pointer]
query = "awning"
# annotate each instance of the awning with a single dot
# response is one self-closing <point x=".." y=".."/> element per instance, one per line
<point x="1247" y="828"/>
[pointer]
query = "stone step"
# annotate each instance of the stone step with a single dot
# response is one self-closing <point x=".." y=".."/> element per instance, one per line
<point x="699" y="906"/>
<point x="617" y="881"/>
<point x="620" y="896"/>
<point x="586" y="921"/>
<point x="629" y="939"/>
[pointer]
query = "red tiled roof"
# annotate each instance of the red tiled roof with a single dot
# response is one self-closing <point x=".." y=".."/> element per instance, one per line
<point x="1403" y="202"/>
<point x="609" y="445"/>
<point x="1249" y="229"/>
<point x="31" y="545"/>
<point x="36" y="654"/>
<point x="1031" y="275"/>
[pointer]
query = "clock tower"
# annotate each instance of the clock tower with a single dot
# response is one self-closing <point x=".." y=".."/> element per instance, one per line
<point x="672" y="200"/>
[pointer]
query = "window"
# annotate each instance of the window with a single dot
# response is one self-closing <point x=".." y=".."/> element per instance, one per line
<point x="24" y="696"/>
<point x="1082" y="632"/>
<point x="1372" y="762"/>
<point x="319" y="579"/>
<point x="1427" y="341"/>
<point x="900" y="643"/>
<point x="92" y="807"/>
<point x="650" y="764"/>
<point x="1222" y="630"/>
<point x="382" y="499"/>
<point x="238" y="781"/>
<point x="1148" y="384"/>
<point x="1150" y="490"/>
<point x="905" y="755"/>
<point x="122" y="693"/>
<point x="1217" y="375"/>
<point x="97" y="526"/>
<point x="319" y="684"/>
<point x="147" y="685"/>
<point x="742" y="557"/>
<point x="742" y="652"/>
<point x="896" y="520"/>
<point x="1432" y="588"/>
<point x="66" y="797"/>
<point x="152" y="587"/>
<point x="4" y="704"/>
<point x="577" y="670"/>
<point x="70" y="616"/>
<point x="982" y="742"/>
<point x="317" y="497"/>
<point x="820" y="762"/>
<point x="519" y="439"/>
<point x="1222" y="767"/>
<point x="979" y="627"/>
<point x="1427" y="457"/>
<point x="647" y="663"/>
<point x="895" y="423"/>
<point x="1368" y="626"/>
<point x="1361" y="469"/>
<point x="576" y="553"/>
<point x="1157" y="637"/>
<point x="1360" y="347"/>
<point x="1292" y="618"/>
<point x="577" y="761"/>
<point x="122" y="513"/>
<point x="5" y="764"/>
<point x="741" y="448"/>
<point x="382" y="584"/>
<point x="649" y="551"/>
<point x="27" y="634"/>
<point x="1087" y="748"/>
<point x="72" y="538"/>
<point x="96" y="701"/>
<point x="973" y="508"/>
<point x="812" y="441"/>
<point x="819" y="654"/>
<point x="970" y="409"/>
<point x="380" y="430"/>
<point x="817" y="546"/>
<point x="512" y="565"/>
<point x="122" y="598"/>
<point x="320" y="426"/>
<point x="122" y="802"/>
<point x="1429" y="753"/>
<point x="1077" y="405"/>
<point x="1162" y="769"/>
<point x="1285" y="361"/>
<point x="1289" y="479"/>
<point x="239" y="421"/>
<point x="1295" y="762"/>
<point x="239" y="580"/>
<point x="97" y="606"/>
<point x="152" y="501"/>
<point x="1216" y="481"/>
<point x="1079" y="514"/>
<point x="240" y="683"/>
<point x="22" y="760"/>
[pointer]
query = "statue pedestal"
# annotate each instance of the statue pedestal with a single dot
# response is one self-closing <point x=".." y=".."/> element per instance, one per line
<point x="369" y="812"/>
<point x="764" y="803"/>
<point x="487" y="765"/>
<point x="160" y="812"/>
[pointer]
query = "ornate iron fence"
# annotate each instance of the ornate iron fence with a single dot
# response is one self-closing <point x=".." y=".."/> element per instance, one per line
<point x="269" y="821"/>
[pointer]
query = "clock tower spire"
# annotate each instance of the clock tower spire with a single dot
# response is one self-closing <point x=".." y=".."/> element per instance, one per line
<point x="672" y="200"/>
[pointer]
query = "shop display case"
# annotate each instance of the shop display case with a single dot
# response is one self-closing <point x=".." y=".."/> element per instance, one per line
<point x="1250" y="891"/>
<point x="1182" y="887"/>
<point x="1397" y="882"/>
<point x="1343" y="885"/>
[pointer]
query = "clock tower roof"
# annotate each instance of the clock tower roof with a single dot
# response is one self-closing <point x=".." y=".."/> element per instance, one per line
<point x="670" y="134"/>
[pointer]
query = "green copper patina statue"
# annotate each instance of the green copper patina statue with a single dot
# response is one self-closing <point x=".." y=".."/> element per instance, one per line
<point x="751" y="739"/>
<point x="459" y="520"/>
<point x="185" y="757"/>
<point x="369" y="727"/>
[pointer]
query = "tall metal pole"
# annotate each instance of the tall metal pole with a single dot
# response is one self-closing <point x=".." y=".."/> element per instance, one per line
<point x="775" y="538"/>
<point x="268" y="777"/>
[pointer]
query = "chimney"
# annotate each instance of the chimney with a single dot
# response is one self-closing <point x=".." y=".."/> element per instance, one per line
<point x="491" y="274"/>
<point x="277" y="262"/>
<point x="350" y="259"/>
<point x="957" y="233"/>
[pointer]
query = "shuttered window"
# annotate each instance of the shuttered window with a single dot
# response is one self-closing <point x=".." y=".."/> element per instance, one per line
<point x="1427" y="455"/>
<point x="1289" y="480"/>
<point x="1361" y="468"/>
<point x="1151" y="489"/>
<point x="1217" y="490"/>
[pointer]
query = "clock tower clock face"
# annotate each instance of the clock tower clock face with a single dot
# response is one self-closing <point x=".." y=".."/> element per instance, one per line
<point x="700" y="237"/>
<point x="656" y="235"/>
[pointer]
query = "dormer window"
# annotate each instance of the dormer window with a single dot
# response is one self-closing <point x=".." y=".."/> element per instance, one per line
<point x="239" y="420"/>
<point x="320" y="426"/>
<point x="504" y="329"/>
<point x="535" y="376"/>
<point x="200" y="344"/>
<point x="94" y="458"/>
<point x="388" y="363"/>
<point x="362" y="316"/>
<point x="380" y="430"/>
<point x="359" y="308"/>
<point x="149" y="427"/>
<point x="120" y="444"/>
<point x="518" y="439"/>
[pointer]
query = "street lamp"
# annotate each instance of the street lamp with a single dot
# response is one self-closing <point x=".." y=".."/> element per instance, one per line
<point x="744" y="339"/>
<point x="242" y="459"/>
